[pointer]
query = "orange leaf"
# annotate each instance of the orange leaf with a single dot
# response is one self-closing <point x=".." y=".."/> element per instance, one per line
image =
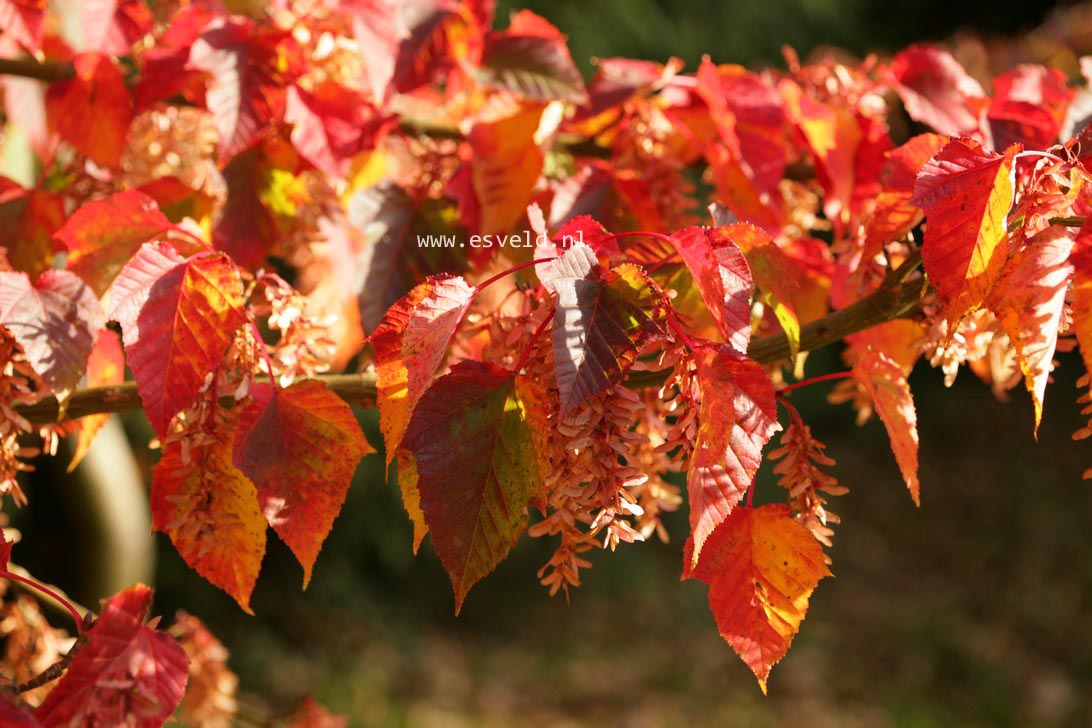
<point x="1028" y="299"/>
<point x="507" y="162"/>
<point x="210" y="511"/>
<point x="476" y="469"/>
<point x="105" y="367"/>
<point x="177" y="317"/>
<point x="409" y="344"/>
<point x="300" y="446"/>
<point x="966" y="194"/>
<point x="738" y="417"/>
<point x="761" y="566"/>
<point x="104" y="234"/>
<point x="885" y="382"/>
<point x="128" y="674"/>
<point x="55" y="321"/>
<point x="1082" y="294"/>
<point x="894" y="215"/>
<point x="93" y="110"/>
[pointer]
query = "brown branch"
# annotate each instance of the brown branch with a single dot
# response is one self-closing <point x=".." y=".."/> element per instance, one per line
<point x="885" y="304"/>
<point x="40" y="70"/>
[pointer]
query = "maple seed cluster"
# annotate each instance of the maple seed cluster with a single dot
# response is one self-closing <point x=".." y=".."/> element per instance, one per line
<point x="226" y="207"/>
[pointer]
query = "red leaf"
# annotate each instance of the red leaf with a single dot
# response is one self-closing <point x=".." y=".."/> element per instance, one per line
<point x="442" y="35"/>
<point x="379" y="30"/>
<point x="966" y="194"/>
<point x="127" y="674"/>
<point x="105" y="367"/>
<point x="761" y="566"/>
<point x="531" y="59"/>
<point x="93" y="110"/>
<point x="300" y="447"/>
<point x="409" y="344"/>
<point x="723" y="279"/>
<point x="331" y="125"/>
<point x="22" y="20"/>
<point x="1082" y="294"/>
<point x="28" y="220"/>
<point x="55" y="321"/>
<point x="602" y="319"/>
<point x="13" y="714"/>
<point x="210" y="511"/>
<point x="738" y="417"/>
<point x="1028" y="300"/>
<point x="476" y="469"/>
<point x="178" y="317"/>
<point x="1029" y="106"/>
<point x="937" y="90"/>
<point x="244" y="227"/>
<point x="885" y="381"/>
<point x="111" y="26"/>
<point x="382" y="215"/>
<point x="506" y="165"/>
<point x="250" y="69"/>
<point x="104" y="234"/>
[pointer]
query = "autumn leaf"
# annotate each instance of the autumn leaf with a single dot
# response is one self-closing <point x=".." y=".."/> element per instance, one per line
<point x="381" y="215"/>
<point x="300" y="447"/>
<point x="13" y="714"/>
<point x="111" y="26"/>
<point x="937" y="91"/>
<point x="177" y="317"/>
<point x="22" y="20"/>
<point x="507" y="163"/>
<point x="331" y="124"/>
<point x="102" y="235"/>
<point x="409" y="344"/>
<point x="105" y="367"/>
<point x="55" y="320"/>
<point x="1081" y="260"/>
<point x="885" y="382"/>
<point x="127" y="674"/>
<point x="966" y="194"/>
<point x="894" y="214"/>
<point x="738" y="417"/>
<point x="784" y="286"/>
<point x="28" y="220"/>
<point x="761" y="566"/>
<point x="1029" y="106"/>
<point x="249" y="68"/>
<point x="210" y="511"/>
<point x="1028" y="299"/>
<point x="476" y="468"/>
<point x="92" y="111"/>
<point x="378" y="29"/>
<point x="723" y="278"/>
<point x="411" y="496"/>
<point x="531" y="59"/>
<point x="602" y="319"/>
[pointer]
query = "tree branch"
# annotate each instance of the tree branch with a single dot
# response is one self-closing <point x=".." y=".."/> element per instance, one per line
<point x="886" y="303"/>
<point x="40" y="70"/>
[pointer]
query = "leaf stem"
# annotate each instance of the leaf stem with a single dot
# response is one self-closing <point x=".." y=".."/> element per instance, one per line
<point x="815" y="380"/>
<point x="508" y="271"/>
<point x="55" y="596"/>
<point x="265" y="352"/>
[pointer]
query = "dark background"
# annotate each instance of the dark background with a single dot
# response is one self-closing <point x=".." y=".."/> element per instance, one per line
<point x="975" y="609"/>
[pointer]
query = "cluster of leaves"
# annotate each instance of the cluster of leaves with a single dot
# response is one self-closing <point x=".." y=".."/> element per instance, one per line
<point x="316" y="173"/>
